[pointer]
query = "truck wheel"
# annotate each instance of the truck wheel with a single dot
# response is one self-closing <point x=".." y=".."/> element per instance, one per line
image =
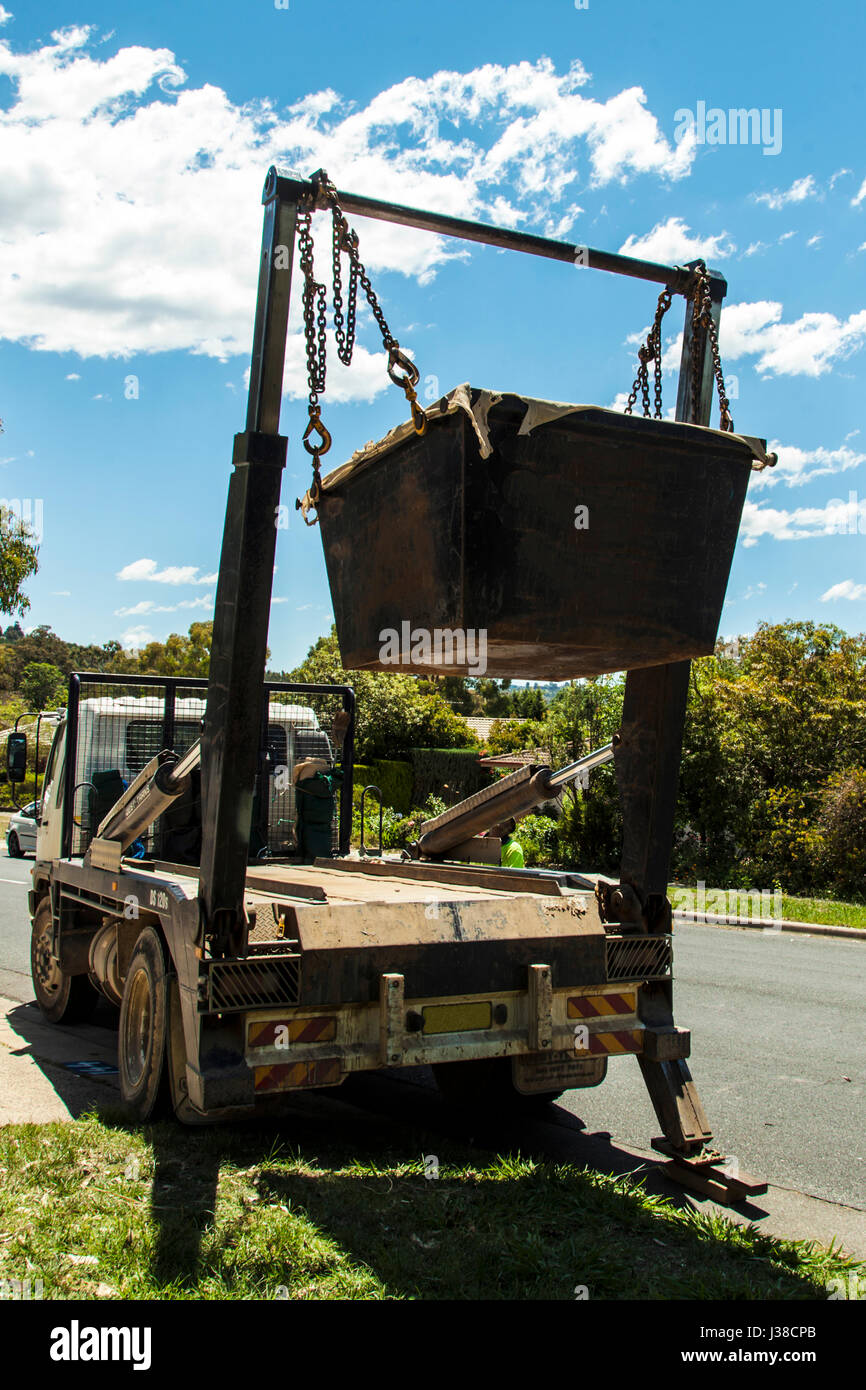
<point x="141" y="1042"/>
<point x="13" y="844"/>
<point x="486" y="1085"/>
<point x="62" y="998"/>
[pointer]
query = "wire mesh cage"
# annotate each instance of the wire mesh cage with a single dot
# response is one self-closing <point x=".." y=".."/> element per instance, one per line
<point x="117" y="726"/>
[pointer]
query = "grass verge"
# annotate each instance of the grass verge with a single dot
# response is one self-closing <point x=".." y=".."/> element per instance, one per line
<point x="826" y="911"/>
<point x="98" y="1209"/>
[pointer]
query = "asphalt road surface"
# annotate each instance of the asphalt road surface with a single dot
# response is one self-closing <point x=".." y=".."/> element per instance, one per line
<point x="778" y="1047"/>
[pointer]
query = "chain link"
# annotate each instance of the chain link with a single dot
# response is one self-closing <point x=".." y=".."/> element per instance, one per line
<point x="343" y="240"/>
<point x="651" y="351"/>
<point x="702" y="317"/>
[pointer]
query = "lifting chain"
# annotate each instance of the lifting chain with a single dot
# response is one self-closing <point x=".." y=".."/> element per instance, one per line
<point x="401" y="369"/>
<point x="651" y="351"/>
<point x="702" y="317"/>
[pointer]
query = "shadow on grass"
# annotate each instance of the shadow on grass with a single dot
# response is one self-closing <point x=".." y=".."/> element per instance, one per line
<point x="486" y="1228"/>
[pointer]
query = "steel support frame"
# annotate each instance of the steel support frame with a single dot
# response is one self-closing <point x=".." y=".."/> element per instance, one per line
<point x="647" y="762"/>
<point x="230" y="739"/>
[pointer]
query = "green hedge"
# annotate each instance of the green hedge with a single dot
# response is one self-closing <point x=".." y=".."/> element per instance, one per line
<point x="394" y="779"/>
<point x="452" y="773"/>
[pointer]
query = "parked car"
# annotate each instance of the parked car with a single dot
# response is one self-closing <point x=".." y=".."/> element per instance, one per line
<point x="21" y="831"/>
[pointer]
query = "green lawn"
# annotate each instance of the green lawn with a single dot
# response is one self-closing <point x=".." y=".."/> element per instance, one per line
<point x="97" y="1209"/>
<point x="824" y="910"/>
<point x="827" y="911"/>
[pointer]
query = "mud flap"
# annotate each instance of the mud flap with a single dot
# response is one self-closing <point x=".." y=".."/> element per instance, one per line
<point x="539" y="1072"/>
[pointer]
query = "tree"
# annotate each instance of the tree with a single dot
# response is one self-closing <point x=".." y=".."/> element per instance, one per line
<point x="42" y="685"/>
<point x="493" y="697"/>
<point x="176" y="656"/>
<point x="842" y="825"/>
<point x="763" y="734"/>
<point x="456" y="691"/>
<point x="393" y="712"/>
<point x="529" y="703"/>
<point x="19" y="559"/>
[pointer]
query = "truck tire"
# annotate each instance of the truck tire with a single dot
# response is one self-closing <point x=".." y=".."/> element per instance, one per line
<point x="62" y="998"/>
<point x="486" y="1085"/>
<point x="143" y="1029"/>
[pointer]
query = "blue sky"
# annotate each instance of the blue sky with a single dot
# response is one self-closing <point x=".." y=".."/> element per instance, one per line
<point x="133" y="145"/>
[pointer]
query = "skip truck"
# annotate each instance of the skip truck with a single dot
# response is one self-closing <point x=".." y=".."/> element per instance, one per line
<point x="194" y="863"/>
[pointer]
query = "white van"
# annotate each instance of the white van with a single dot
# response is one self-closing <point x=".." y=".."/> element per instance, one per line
<point x="121" y="735"/>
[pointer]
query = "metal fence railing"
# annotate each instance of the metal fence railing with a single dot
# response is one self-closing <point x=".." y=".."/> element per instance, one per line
<point x="117" y="724"/>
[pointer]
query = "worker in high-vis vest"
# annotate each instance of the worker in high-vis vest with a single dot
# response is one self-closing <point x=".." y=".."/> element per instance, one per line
<point x="511" y="854"/>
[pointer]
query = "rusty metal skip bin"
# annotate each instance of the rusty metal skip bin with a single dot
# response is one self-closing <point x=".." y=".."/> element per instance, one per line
<point x="577" y="540"/>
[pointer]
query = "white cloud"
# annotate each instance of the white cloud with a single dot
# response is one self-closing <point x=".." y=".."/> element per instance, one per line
<point x="150" y="606"/>
<point x="172" y="574"/>
<point x="800" y="190"/>
<point x="814" y="240"/>
<point x="106" y="163"/>
<point x="136" y="637"/>
<point x="61" y="593"/>
<point x="807" y="347"/>
<point x="833" y="519"/>
<point x="755" y="246"/>
<point x="859" y="196"/>
<point x="73" y="376"/>
<point x="5" y="16"/>
<point x="673" y="241"/>
<point x="797" y="466"/>
<point x="846" y="589"/>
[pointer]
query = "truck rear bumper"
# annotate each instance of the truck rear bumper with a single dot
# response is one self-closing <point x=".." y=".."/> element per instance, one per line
<point x="290" y="1049"/>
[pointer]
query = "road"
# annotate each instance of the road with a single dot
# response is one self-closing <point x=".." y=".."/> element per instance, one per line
<point x="14" y="926"/>
<point x="778" y="1048"/>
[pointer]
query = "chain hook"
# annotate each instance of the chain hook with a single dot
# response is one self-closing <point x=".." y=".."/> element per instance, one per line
<point x="407" y="382"/>
<point x="398" y="358"/>
<point x="315" y="423"/>
<point x="323" y="194"/>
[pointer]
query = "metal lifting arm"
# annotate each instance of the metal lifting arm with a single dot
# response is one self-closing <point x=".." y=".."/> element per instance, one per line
<point x="514" y="795"/>
<point x="160" y="782"/>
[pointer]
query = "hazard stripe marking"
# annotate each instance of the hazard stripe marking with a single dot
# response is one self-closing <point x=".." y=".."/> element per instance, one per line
<point x="286" y="1076"/>
<point x="299" y="1030"/>
<point x="600" y="1005"/>
<point x="609" y="1044"/>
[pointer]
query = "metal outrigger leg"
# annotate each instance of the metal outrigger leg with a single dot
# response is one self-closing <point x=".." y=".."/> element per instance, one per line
<point x="647" y="763"/>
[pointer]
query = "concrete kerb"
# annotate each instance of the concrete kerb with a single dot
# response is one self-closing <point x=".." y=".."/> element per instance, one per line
<point x="768" y="924"/>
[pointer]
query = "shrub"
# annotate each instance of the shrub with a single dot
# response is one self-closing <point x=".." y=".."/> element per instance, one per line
<point x="537" y="836"/>
<point x="842" y="822"/>
<point x="452" y="771"/>
<point x="394" y="780"/>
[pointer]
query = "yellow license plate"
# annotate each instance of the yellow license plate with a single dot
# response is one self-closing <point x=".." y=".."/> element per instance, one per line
<point x="456" y="1018"/>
